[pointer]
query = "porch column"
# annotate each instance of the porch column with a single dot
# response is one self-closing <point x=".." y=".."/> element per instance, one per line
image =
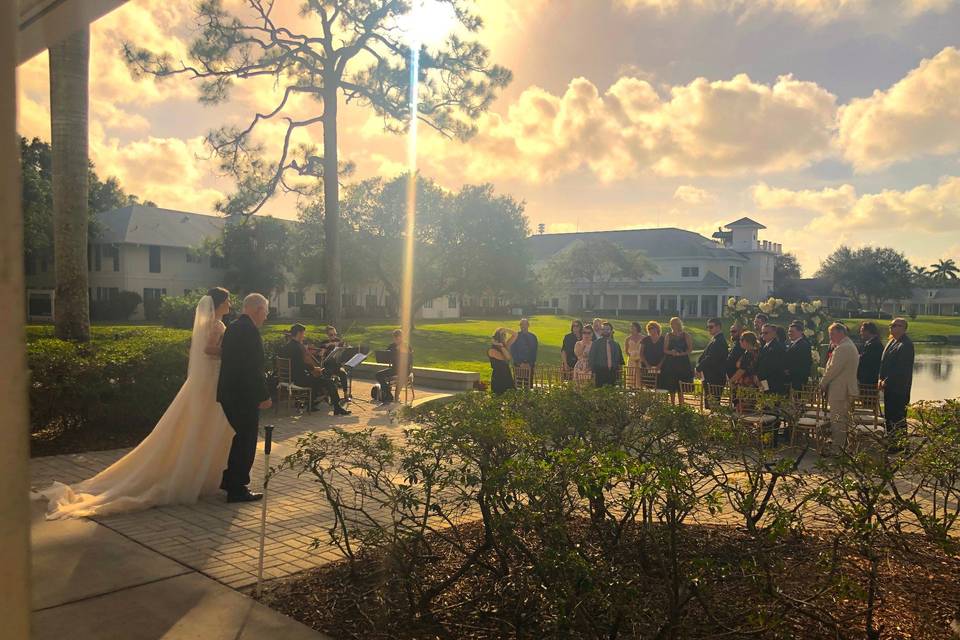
<point x="699" y="305"/>
<point x="679" y="308"/>
<point x="719" y="306"/>
<point x="14" y="441"/>
<point x="659" y="308"/>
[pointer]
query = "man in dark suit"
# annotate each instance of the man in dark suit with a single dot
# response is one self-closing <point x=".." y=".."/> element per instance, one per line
<point x="736" y="350"/>
<point x="711" y="365"/>
<point x="305" y="374"/>
<point x="524" y="350"/>
<point x="386" y="376"/>
<point x="799" y="357"/>
<point x="772" y="361"/>
<point x="242" y="392"/>
<point x="896" y="375"/>
<point x="868" y="371"/>
<point x="606" y="358"/>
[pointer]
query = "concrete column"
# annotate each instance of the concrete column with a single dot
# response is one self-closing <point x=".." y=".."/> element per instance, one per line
<point x="14" y="441"/>
<point x="679" y="308"/>
<point x="719" y="306"/>
<point x="659" y="308"/>
<point x="699" y="306"/>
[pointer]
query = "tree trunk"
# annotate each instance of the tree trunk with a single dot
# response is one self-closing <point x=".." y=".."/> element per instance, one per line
<point x="69" y="62"/>
<point x="331" y="203"/>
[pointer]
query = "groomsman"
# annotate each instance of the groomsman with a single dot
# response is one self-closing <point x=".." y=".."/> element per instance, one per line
<point x="711" y="365"/>
<point x="524" y="350"/>
<point x="771" y="364"/>
<point x="840" y="382"/>
<point x="606" y="358"/>
<point x="799" y="356"/>
<point x="896" y="375"/>
<point x="868" y="372"/>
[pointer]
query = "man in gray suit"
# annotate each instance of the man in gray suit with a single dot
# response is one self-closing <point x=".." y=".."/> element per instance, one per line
<point x="840" y="383"/>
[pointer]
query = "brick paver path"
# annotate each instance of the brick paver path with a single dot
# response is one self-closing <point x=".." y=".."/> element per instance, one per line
<point x="221" y="540"/>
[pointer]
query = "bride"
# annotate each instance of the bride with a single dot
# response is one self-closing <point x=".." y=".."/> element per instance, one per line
<point x="184" y="455"/>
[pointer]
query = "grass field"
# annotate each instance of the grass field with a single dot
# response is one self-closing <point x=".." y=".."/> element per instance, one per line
<point x="462" y="344"/>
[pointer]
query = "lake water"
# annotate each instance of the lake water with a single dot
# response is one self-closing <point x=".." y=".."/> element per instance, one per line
<point x="936" y="373"/>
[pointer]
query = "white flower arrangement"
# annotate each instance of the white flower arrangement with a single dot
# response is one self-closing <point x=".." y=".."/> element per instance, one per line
<point x="815" y="355"/>
<point x="743" y="304"/>
<point x="792" y="308"/>
<point x="732" y="303"/>
<point x="816" y="305"/>
<point x="808" y="333"/>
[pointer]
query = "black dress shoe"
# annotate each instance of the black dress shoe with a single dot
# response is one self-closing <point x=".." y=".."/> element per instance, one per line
<point x="247" y="496"/>
<point x="340" y="411"/>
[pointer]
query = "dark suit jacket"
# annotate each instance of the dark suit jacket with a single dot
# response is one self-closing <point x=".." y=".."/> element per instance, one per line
<point x="598" y="354"/>
<point x="733" y="357"/>
<point x="772" y="366"/>
<point x="896" y="365"/>
<point x="524" y="348"/>
<point x="299" y="371"/>
<point x="868" y="371"/>
<point x="712" y="362"/>
<point x="242" y="381"/>
<point x="569" y="342"/>
<point x="799" y="363"/>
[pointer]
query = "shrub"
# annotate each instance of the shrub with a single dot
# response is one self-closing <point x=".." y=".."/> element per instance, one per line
<point x="178" y="311"/>
<point x="117" y="309"/>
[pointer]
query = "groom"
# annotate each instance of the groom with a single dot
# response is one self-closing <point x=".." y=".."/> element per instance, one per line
<point x="242" y="391"/>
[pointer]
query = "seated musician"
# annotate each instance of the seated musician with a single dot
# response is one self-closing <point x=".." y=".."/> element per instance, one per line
<point x="305" y="373"/>
<point x="385" y="376"/>
<point x="333" y="341"/>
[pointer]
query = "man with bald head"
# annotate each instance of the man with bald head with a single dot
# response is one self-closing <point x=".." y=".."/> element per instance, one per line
<point x="242" y="392"/>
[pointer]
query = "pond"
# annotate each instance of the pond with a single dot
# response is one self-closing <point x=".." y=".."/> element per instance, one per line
<point x="936" y="373"/>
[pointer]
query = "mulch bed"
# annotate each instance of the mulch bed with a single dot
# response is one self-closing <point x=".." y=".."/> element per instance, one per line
<point x="54" y="441"/>
<point x="919" y="591"/>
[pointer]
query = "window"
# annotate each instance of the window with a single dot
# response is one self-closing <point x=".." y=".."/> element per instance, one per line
<point x="451" y="302"/>
<point x="93" y="257"/>
<point x="186" y="292"/>
<point x="154" y="259"/>
<point x="294" y="298"/>
<point x="371" y="301"/>
<point x="113" y="293"/>
<point x="194" y="256"/>
<point x="43" y="264"/>
<point x="428" y="304"/>
<point x="153" y="295"/>
<point x="115" y="254"/>
<point x="29" y="265"/>
<point x="555" y="303"/>
<point x="348" y="300"/>
<point x="320" y="299"/>
<point x="217" y="261"/>
<point x="690" y="272"/>
<point x="735" y="276"/>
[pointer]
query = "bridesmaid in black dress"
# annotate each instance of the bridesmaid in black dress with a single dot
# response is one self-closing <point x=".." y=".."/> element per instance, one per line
<point x="651" y="347"/>
<point x="676" y="365"/>
<point x="501" y="379"/>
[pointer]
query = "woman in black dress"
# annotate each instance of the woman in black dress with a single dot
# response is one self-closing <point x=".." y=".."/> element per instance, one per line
<point x="676" y="365"/>
<point x="651" y="346"/>
<point x="499" y="353"/>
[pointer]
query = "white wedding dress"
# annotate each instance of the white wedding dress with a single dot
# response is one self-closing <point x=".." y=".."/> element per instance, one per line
<point x="182" y="458"/>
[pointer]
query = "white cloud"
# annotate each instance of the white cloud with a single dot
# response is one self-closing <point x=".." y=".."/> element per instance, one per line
<point x="817" y="12"/>
<point x="930" y="208"/>
<point x="918" y="115"/>
<point x="693" y="195"/>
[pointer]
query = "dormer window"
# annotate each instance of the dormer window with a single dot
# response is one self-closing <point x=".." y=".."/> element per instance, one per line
<point x="689" y="272"/>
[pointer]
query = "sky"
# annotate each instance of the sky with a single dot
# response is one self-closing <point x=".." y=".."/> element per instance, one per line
<point x="829" y="121"/>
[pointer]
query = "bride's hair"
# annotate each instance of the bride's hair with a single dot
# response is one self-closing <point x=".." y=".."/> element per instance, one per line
<point x="219" y="294"/>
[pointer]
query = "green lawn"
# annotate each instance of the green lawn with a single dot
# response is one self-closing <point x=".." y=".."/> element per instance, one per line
<point x="462" y="344"/>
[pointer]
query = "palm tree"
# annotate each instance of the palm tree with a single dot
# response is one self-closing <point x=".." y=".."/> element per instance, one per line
<point x="919" y="275"/>
<point x="69" y="73"/>
<point x="944" y="271"/>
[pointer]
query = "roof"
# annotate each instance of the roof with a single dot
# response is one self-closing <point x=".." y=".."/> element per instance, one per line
<point x="745" y="222"/>
<point x="654" y="243"/>
<point x="945" y="295"/>
<point x="137" y="224"/>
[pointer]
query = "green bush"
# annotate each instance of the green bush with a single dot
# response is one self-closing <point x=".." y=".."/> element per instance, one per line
<point x="121" y="381"/>
<point x="178" y="311"/>
<point x="118" y="308"/>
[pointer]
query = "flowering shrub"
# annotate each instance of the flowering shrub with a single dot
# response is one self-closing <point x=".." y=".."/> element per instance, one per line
<point x="814" y="316"/>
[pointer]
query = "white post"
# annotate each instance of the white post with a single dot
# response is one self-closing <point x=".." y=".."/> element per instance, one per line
<point x="14" y="441"/>
<point x="678" y="306"/>
<point x="699" y="305"/>
<point x="720" y="306"/>
<point x="659" y="308"/>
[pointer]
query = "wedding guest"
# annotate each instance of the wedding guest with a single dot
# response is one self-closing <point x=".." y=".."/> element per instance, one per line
<point x="568" y="359"/>
<point x="676" y="364"/>
<point x="597" y="325"/>
<point x="386" y="376"/>
<point x="896" y="376"/>
<point x="606" y="359"/>
<point x="326" y="347"/>
<point x="771" y="366"/>
<point x="582" y="371"/>
<point x="745" y="375"/>
<point x="633" y="346"/>
<point x="868" y="371"/>
<point x="736" y="350"/>
<point x="840" y="383"/>
<point x="305" y="374"/>
<point x="652" y="347"/>
<point x="501" y="379"/>
<point x="799" y="357"/>
<point x="523" y="351"/>
<point x="758" y="321"/>
<point x="711" y="365"/>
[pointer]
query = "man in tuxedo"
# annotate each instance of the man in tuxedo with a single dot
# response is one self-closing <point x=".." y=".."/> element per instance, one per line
<point x="840" y="383"/>
<point x="772" y="361"/>
<point x="242" y="392"/>
<point x="799" y="356"/>
<point x="896" y="376"/>
<point x="736" y="350"/>
<point x="711" y="365"/>
<point x="868" y="371"/>
<point x="606" y="358"/>
<point x="567" y="357"/>
<point x="524" y="349"/>
<point x="758" y="321"/>
<point x="305" y="374"/>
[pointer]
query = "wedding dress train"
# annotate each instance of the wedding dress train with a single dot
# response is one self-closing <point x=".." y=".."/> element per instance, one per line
<point x="182" y="458"/>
